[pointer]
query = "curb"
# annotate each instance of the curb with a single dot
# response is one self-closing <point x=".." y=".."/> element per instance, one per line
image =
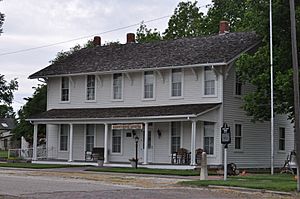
<point x="250" y="190"/>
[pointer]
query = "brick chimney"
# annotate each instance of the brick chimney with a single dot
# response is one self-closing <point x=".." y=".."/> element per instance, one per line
<point x="224" y="27"/>
<point x="97" y="41"/>
<point x="130" y="38"/>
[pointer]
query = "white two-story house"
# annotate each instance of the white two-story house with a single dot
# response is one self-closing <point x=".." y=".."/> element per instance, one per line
<point x="170" y="94"/>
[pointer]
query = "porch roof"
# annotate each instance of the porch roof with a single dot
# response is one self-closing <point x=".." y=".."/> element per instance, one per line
<point x="187" y="110"/>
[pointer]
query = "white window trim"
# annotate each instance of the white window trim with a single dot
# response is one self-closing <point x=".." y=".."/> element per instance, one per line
<point x="85" y="128"/>
<point x="111" y="138"/>
<point x="170" y="135"/>
<point x="112" y="88"/>
<point x="279" y="150"/>
<point x="242" y="136"/>
<point x="68" y="142"/>
<point x="182" y="85"/>
<point x="234" y="87"/>
<point x="86" y="100"/>
<point x="154" y="88"/>
<point x="60" y="89"/>
<point x="203" y="85"/>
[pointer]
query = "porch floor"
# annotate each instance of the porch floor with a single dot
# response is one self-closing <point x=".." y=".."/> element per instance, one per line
<point x="111" y="164"/>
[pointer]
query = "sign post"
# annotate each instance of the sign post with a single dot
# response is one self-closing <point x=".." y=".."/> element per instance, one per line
<point x="225" y="139"/>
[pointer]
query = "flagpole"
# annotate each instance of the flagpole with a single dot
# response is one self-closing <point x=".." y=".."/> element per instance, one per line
<point x="272" y="92"/>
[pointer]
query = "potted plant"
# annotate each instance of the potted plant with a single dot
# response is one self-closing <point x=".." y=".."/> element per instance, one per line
<point x="133" y="162"/>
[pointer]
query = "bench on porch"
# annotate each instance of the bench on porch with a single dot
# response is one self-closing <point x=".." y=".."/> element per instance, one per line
<point x="97" y="153"/>
<point x="181" y="156"/>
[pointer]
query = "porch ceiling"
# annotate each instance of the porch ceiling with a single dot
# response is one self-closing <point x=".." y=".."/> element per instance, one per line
<point x="188" y="110"/>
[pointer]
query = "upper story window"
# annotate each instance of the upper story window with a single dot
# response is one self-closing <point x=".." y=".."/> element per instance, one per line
<point x="176" y="87"/>
<point x="65" y="89"/>
<point x="117" y="86"/>
<point x="209" y="81"/>
<point x="148" y="85"/>
<point x="90" y="87"/>
<point x="238" y="85"/>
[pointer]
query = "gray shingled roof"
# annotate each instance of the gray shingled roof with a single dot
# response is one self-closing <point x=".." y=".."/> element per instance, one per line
<point x="139" y="56"/>
<point x="122" y="112"/>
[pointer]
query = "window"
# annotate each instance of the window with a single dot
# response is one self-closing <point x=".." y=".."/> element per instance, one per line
<point x="176" y="90"/>
<point x="149" y="85"/>
<point x="175" y="136"/>
<point x="64" y="137"/>
<point x="281" y="139"/>
<point x="65" y="88"/>
<point x="238" y="136"/>
<point x="116" y="141"/>
<point x="89" y="137"/>
<point x="209" y="81"/>
<point x="209" y="138"/>
<point x="90" y="87"/>
<point x="117" y="86"/>
<point x="238" y="85"/>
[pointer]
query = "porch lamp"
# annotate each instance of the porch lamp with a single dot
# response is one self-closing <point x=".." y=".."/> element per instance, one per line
<point x="158" y="133"/>
<point x="136" y="151"/>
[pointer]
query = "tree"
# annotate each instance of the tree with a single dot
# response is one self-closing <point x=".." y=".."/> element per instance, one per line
<point x="6" y="96"/>
<point x="143" y="34"/>
<point x="187" y="21"/>
<point x="1" y="21"/>
<point x="34" y="105"/>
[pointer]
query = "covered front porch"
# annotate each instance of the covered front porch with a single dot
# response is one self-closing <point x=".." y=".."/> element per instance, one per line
<point x="159" y="136"/>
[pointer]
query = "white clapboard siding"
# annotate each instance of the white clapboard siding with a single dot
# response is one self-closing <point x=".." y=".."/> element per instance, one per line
<point x="256" y="137"/>
<point x="78" y="142"/>
<point x="132" y="93"/>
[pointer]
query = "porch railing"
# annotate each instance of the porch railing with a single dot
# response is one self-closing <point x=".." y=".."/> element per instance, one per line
<point x="27" y="154"/>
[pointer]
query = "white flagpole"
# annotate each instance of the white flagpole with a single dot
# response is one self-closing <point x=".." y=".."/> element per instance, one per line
<point x="272" y="92"/>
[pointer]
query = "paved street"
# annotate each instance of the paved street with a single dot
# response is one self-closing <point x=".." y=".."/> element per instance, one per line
<point x="68" y="184"/>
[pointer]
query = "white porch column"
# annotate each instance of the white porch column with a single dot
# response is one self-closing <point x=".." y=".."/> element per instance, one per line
<point x="193" y="142"/>
<point x="146" y="144"/>
<point x="105" y="143"/>
<point x="35" y="132"/>
<point x="71" y="144"/>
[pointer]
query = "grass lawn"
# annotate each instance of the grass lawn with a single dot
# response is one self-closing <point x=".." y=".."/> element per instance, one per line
<point x="34" y="166"/>
<point x="147" y="171"/>
<point x="278" y="182"/>
<point x="3" y="154"/>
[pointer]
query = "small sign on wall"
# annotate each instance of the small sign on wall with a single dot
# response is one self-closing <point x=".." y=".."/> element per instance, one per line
<point x="127" y="126"/>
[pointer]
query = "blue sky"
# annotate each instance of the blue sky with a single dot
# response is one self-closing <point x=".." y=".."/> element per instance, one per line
<point x="33" y="23"/>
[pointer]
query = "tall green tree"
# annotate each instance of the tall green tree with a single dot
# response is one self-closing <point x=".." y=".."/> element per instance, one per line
<point x="34" y="105"/>
<point x="6" y="96"/>
<point x="1" y="21"/>
<point x="187" y="21"/>
<point x="144" y="34"/>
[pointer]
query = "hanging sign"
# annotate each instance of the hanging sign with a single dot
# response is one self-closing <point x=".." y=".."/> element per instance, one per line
<point x="127" y="126"/>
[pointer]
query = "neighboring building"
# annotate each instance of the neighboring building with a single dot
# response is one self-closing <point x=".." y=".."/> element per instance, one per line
<point x="175" y="93"/>
<point x="6" y="125"/>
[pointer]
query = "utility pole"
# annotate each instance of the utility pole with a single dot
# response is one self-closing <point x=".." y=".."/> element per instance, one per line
<point x="296" y="88"/>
